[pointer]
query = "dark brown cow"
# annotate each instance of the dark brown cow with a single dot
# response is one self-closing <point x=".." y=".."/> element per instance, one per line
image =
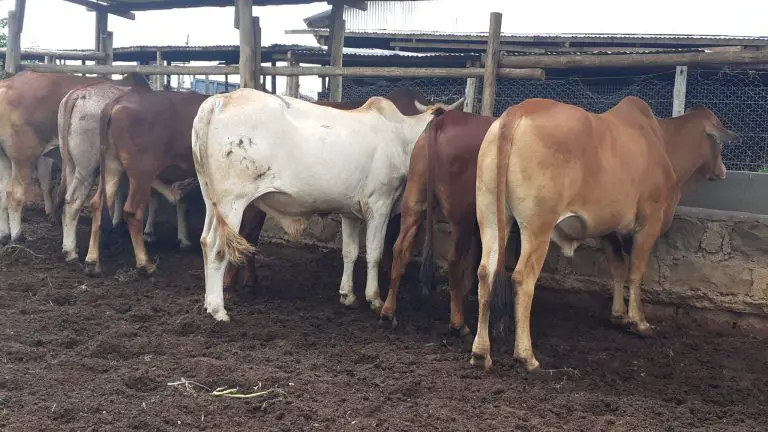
<point x="29" y="107"/>
<point x="567" y="174"/>
<point x="253" y="218"/>
<point x="442" y="174"/>
<point x="147" y="135"/>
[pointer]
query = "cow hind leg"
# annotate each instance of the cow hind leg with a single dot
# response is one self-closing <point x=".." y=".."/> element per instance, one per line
<point x="77" y="191"/>
<point x="619" y="265"/>
<point x="44" y="168"/>
<point x="350" y="248"/>
<point x="374" y="246"/>
<point x="112" y="177"/>
<point x="21" y="177"/>
<point x="410" y="220"/>
<point x="5" y="180"/>
<point x="182" y="230"/>
<point x="641" y="250"/>
<point x="459" y="270"/>
<point x="149" y="227"/>
<point x="138" y="197"/>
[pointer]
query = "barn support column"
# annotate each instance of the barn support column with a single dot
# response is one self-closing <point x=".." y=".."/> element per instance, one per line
<point x="248" y="64"/>
<point x="13" y="41"/>
<point x="102" y="23"/>
<point x="491" y="64"/>
<point x="274" y="79"/>
<point x="336" y="47"/>
<point x="678" y="99"/>
<point x="471" y="90"/>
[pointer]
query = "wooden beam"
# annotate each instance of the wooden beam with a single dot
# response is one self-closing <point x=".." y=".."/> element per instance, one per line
<point x="337" y="48"/>
<point x="20" y="9"/>
<point x="356" y="4"/>
<point x="256" y="51"/>
<point x="237" y="16"/>
<point x="66" y="55"/>
<point x="13" y="51"/>
<point x="98" y="7"/>
<point x="470" y="91"/>
<point x="678" y="99"/>
<point x="633" y="60"/>
<point x="247" y="58"/>
<point x="468" y="45"/>
<point x="292" y="71"/>
<point x="492" y="66"/>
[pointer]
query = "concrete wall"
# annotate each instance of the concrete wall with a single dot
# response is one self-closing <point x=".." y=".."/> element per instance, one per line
<point x="709" y="259"/>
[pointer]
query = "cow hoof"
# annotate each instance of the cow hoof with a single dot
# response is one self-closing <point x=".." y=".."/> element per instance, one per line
<point x="185" y="246"/>
<point x="530" y="364"/>
<point x="376" y="305"/>
<point x="481" y="361"/>
<point x="181" y="188"/>
<point x="620" y="320"/>
<point x="19" y="238"/>
<point x="349" y="300"/>
<point x="642" y="329"/>
<point x="464" y="333"/>
<point x="149" y="238"/>
<point x="70" y="256"/>
<point x="388" y="322"/>
<point x="92" y="269"/>
<point x="218" y="312"/>
<point x="5" y="239"/>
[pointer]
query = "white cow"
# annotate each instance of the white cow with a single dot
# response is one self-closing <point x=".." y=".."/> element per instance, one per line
<point x="78" y="123"/>
<point x="294" y="159"/>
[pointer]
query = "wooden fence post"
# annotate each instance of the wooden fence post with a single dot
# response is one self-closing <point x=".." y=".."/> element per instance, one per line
<point x="471" y="91"/>
<point x="491" y="64"/>
<point x="247" y="57"/>
<point x="678" y="99"/>
<point x="13" y="51"/>
<point x="102" y="22"/>
<point x="106" y="48"/>
<point x="274" y="79"/>
<point x="158" y="79"/>
<point x="257" y="51"/>
<point x="292" y="82"/>
<point x="336" y="46"/>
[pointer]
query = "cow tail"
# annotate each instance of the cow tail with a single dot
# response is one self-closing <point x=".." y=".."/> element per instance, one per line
<point x="503" y="289"/>
<point x="64" y="129"/>
<point x="427" y="271"/>
<point x="105" y="120"/>
<point x="234" y="246"/>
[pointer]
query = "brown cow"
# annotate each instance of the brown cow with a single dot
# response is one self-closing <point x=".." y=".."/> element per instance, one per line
<point x="567" y="174"/>
<point x="147" y="135"/>
<point x="442" y="173"/>
<point x="29" y="106"/>
<point x="409" y="102"/>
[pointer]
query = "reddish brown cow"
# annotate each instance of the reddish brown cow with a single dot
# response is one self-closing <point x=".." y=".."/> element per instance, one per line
<point x="29" y="107"/>
<point x="147" y="135"/>
<point x="442" y="174"/>
<point x="253" y="218"/>
<point x="567" y="175"/>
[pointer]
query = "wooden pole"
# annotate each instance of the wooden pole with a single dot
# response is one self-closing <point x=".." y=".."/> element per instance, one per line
<point x="470" y="91"/>
<point x="678" y="99"/>
<point x="257" y="52"/>
<point x="336" y="46"/>
<point x="102" y="22"/>
<point x="208" y="85"/>
<point x="226" y="83"/>
<point x="274" y="79"/>
<point x="247" y="57"/>
<point x="292" y="83"/>
<point x="633" y="60"/>
<point x="492" y="65"/>
<point x="158" y="80"/>
<point x="106" y="42"/>
<point x="20" y="8"/>
<point x="13" y="52"/>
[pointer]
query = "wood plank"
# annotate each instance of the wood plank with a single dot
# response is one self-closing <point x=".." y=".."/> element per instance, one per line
<point x="492" y="66"/>
<point x="633" y="60"/>
<point x="98" y="7"/>
<point x="65" y="55"/>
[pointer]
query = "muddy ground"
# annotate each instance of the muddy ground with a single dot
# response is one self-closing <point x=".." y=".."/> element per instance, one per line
<point x="79" y="354"/>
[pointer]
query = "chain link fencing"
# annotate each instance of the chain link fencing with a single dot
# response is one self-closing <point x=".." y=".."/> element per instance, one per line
<point x="738" y="98"/>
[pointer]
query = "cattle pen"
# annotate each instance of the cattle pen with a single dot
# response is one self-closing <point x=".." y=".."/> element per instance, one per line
<point x="129" y="352"/>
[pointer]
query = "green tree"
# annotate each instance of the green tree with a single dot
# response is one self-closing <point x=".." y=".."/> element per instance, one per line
<point x="3" y="32"/>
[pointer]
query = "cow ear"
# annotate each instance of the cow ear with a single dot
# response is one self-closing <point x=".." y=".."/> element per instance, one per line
<point x="723" y="136"/>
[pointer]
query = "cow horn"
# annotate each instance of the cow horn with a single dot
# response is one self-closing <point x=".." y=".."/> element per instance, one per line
<point x="456" y="104"/>
<point x="419" y="106"/>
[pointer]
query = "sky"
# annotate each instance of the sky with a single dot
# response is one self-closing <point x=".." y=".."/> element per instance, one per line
<point x="56" y="24"/>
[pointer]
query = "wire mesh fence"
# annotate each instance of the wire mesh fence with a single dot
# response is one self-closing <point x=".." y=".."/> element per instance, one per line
<point x="738" y="98"/>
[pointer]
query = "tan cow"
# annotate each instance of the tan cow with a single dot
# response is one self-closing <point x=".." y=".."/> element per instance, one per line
<point x="567" y="174"/>
<point x="29" y="105"/>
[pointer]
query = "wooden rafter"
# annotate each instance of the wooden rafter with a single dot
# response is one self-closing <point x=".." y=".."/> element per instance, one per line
<point x="100" y="7"/>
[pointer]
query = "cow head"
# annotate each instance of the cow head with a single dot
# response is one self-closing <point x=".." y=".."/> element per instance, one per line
<point x="712" y="141"/>
<point x="439" y="109"/>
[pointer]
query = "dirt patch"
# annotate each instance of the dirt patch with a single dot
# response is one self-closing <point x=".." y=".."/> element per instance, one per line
<point x="78" y="353"/>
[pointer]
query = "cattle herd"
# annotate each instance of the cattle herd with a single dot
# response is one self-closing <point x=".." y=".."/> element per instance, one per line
<point x="555" y="171"/>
